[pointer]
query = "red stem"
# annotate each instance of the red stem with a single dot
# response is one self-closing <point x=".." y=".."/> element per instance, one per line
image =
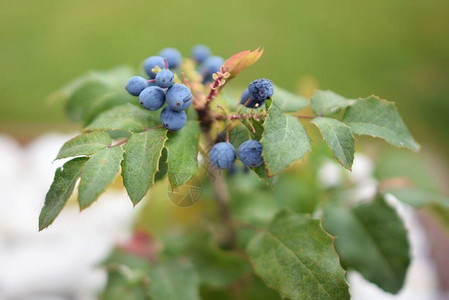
<point x="213" y="91"/>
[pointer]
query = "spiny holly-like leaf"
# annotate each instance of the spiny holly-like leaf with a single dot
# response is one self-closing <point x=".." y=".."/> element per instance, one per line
<point x="182" y="148"/>
<point x="284" y="141"/>
<point x="339" y="138"/>
<point x="372" y="240"/>
<point x="328" y="103"/>
<point x="85" y="144"/>
<point x="295" y="256"/>
<point x="98" y="172"/>
<point x="141" y="160"/>
<point x="418" y="198"/>
<point x="107" y="101"/>
<point x="379" y="118"/>
<point x="60" y="190"/>
<point x="288" y="102"/>
<point x="173" y="280"/>
<point x="241" y="60"/>
<point x="126" y="117"/>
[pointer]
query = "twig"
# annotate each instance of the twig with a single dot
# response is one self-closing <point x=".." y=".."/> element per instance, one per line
<point x="240" y="116"/>
<point x="229" y="240"/>
<point x="219" y="80"/>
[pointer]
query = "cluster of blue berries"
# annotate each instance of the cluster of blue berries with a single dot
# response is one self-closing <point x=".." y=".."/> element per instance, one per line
<point x="257" y="92"/>
<point x="161" y="89"/>
<point x="208" y="65"/>
<point x="223" y="154"/>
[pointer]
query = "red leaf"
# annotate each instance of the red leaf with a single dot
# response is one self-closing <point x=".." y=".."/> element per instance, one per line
<point x="241" y="60"/>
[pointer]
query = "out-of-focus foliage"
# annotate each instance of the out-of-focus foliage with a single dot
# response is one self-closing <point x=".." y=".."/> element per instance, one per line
<point x="397" y="50"/>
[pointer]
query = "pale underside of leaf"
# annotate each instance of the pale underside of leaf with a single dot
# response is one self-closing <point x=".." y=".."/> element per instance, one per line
<point x="339" y="138"/>
<point x="98" y="172"/>
<point x="296" y="257"/>
<point x="140" y="162"/>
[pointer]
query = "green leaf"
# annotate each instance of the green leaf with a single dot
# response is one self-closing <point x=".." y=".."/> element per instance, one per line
<point x="80" y="101"/>
<point x="107" y="101"/>
<point x="262" y="172"/>
<point x="141" y="160"/>
<point x="328" y="103"/>
<point x="89" y="90"/>
<point x="379" y="118"/>
<point x="163" y="166"/>
<point x="288" y="102"/>
<point x="238" y="135"/>
<point x="60" y="190"/>
<point x="296" y="257"/>
<point x="219" y="268"/>
<point x="98" y="173"/>
<point x="404" y="164"/>
<point x="182" y="148"/>
<point x="126" y="117"/>
<point x="284" y="141"/>
<point x="254" y="128"/>
<point x="127" y="277"/>
<point x="173" y="280"/>
<point x="85" y="144"/>
<point x="372" y="240"/>
<point x="418" y="198"/>
<point x="116" y="77"/>
<point x="339" y="138"/>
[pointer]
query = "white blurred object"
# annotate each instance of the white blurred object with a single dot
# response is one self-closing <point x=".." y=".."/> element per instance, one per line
<point x="62" y="261"/>
<point x="362" y="168"/>
<point x="330" y="174"/>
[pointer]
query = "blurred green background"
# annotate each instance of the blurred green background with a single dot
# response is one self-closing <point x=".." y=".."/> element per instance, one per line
<point x="398" y="50"/>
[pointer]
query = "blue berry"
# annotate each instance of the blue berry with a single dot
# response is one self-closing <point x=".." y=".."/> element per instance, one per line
<point x="172" y="119"/>
<point x="200" y="53"/>
<point x="152" y="98"/>
<point x="222" y="155"/>
<point x="210" y="66"/>
<point x="250" y="153"/>
<point x="248" y="101"/>
<point x="136" y="85"/>
<point x="165" y="78"/>
<point x="261" y="89"/>
<point x="151" y="62"/>
<point x="179" y="97"/>
<point x="172" y="55"/>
